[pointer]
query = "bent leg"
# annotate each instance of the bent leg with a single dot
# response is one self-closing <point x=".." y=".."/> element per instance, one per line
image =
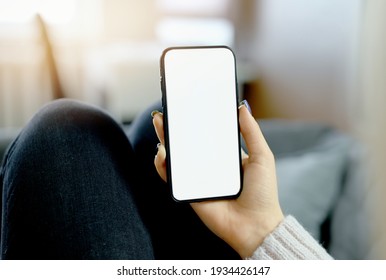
<point x="67" y="189"/>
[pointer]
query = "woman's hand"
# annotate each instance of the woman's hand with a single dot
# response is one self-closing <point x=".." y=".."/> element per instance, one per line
<point x="243" y="222"/>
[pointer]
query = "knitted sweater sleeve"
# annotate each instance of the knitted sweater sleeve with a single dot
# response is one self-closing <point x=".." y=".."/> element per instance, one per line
<point x="290" y="241"/>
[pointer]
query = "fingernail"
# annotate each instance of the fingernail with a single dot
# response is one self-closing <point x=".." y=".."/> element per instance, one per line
<point x="154" y="113"/>
<point x="157" y="149"/>
<point x="246" y="104"/>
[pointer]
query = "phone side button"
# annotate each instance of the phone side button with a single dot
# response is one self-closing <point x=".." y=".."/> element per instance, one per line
<point x="162" y="91"/>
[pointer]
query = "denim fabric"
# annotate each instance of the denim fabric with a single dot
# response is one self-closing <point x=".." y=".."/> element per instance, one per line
<point x="75" y="187"/>
<point x="67" y="189"/>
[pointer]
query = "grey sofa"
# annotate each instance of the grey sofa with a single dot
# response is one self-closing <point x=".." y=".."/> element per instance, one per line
<point x="321" y="182"/>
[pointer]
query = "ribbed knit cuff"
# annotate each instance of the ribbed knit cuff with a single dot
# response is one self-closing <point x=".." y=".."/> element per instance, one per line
<point x="290" y="241"/>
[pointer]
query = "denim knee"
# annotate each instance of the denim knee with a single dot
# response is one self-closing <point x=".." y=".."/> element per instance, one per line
<point x="68" y="181"/>
<point x="63" y="134"/>
<point x="66" y="116"/>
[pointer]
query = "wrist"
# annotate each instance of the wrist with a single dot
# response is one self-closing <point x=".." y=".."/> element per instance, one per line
<point x="256" y="234"/>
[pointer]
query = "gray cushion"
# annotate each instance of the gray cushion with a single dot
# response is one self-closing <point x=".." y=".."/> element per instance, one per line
<point x="311" y="160"/>
<point x="310" y="182"/>
<point x="352" y="220"/>
<point x="287" y="137"/>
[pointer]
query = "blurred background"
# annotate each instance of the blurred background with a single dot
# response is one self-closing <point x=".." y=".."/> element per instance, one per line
<point x="319" y="61"/>
<point x="107" y="53"/>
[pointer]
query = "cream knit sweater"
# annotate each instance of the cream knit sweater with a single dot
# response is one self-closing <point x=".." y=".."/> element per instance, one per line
<point x="290" y="241"/>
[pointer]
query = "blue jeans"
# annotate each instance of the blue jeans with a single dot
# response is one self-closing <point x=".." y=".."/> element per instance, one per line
<point x="76" y="186"/>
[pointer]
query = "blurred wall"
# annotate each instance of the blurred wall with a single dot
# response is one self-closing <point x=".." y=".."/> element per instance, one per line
<point x="129" y="19"/>
<point x="372" y="121"/>
<point x="306" y="55"/>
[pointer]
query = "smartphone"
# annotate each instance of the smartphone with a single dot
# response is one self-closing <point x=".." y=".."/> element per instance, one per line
<point x="202" y="139"/>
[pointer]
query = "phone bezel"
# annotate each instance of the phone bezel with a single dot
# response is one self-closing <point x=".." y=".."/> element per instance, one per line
<point x="166" y="126"/>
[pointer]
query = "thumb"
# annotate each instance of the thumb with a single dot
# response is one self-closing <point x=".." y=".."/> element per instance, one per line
<point x="251" y="132"/>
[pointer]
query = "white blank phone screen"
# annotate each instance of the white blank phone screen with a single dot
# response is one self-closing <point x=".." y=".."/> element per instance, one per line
<point x="201" y="100"/>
